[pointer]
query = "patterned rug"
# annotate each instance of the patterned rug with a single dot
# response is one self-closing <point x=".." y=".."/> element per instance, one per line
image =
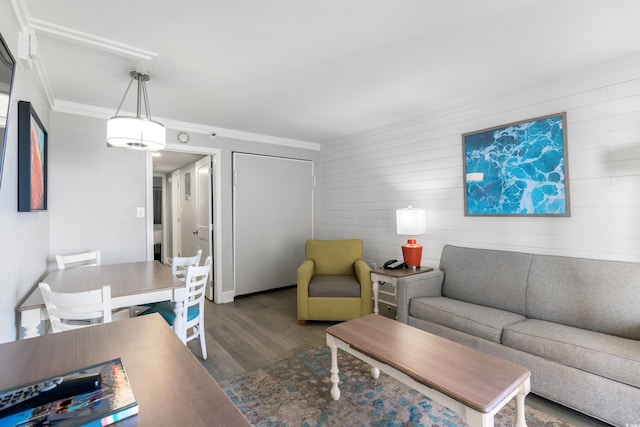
<point x="295" y="392"/>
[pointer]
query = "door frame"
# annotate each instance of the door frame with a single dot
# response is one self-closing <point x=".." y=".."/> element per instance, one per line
<point x="216" y="212"/>
<point x="176" y="232"/>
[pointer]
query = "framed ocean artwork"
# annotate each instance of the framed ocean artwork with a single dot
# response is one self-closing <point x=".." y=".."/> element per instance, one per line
<point x="517" y="169"/>
<point x="32" y="160"/>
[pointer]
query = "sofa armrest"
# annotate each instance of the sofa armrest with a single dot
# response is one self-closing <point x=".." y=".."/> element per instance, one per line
<point x="422" y="285"/>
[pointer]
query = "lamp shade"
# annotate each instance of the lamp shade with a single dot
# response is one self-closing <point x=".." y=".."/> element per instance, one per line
<point x="139" y="132"/>
<point x="136" y="133"/>
<point x="411" y="221"/>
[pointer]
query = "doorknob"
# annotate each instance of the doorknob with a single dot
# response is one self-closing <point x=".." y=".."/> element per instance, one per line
<point x="195" y="232"/>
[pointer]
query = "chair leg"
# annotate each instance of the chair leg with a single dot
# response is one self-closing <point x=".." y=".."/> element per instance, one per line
<point x="301" y="322"/>
<point x="203" y="344"/>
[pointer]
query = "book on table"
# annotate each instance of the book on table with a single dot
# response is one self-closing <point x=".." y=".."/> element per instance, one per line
<point x="96" y="395"/>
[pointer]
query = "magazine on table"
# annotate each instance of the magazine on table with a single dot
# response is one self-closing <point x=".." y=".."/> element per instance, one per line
<point x="96" y="395"/>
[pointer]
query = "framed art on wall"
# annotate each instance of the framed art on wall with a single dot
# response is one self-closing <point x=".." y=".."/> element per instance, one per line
<point x="517" y="169"/>
<point x="32" y="160"/>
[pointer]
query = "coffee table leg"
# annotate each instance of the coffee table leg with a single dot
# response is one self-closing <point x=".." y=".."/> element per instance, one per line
<point x="477" y="419"/>
<point x="522" y="393"/>
<point x="375" y="372"/>
<point x="335" y="379"/>
<point x="376" y="288"/>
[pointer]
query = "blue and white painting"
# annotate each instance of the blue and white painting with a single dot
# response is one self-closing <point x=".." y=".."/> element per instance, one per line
<point x="518" y="169"/>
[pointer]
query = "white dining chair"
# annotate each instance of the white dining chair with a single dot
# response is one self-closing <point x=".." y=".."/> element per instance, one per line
<point x="88" y="259"/>
<point x="179" y="265"/>
<point x="196" y="283"/>
<point x="83" y="259"/>
<point x="73" y="310"/>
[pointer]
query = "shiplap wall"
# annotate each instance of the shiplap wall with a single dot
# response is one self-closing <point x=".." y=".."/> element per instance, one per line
<point x="362" y="179"/>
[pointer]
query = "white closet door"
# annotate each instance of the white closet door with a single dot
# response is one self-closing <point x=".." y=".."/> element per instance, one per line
<point x="272" y="218"/>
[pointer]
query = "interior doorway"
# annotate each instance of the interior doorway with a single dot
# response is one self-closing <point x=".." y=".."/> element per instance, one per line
<point x="186" y="190"/>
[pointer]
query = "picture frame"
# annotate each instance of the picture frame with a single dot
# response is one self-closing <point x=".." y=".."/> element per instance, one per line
<point x="32" y="160"/>
<point x="517" y="169"/>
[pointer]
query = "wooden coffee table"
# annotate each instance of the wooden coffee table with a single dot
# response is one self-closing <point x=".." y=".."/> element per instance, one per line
<point x="474" y="384"/>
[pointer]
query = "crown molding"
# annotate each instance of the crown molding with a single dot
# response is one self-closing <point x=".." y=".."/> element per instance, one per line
<point x="104" y="114"/>
<point x="89" y="40"/>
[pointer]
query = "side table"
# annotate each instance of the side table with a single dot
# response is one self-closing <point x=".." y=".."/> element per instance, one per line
<point x="381" y="275"/>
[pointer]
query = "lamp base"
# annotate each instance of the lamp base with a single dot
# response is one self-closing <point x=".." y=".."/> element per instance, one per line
<point x="412" y="253"/>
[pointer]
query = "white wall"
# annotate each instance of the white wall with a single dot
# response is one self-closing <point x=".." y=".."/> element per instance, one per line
<point x="94" y="192"/>
<point x="24" y="236"/>
<point x="364" y="178"/>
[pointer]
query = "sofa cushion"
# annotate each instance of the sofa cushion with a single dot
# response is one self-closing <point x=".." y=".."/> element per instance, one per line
<point x="487" y="277"/>
<point x="483" y="322"/>
<point x="597" y="295"/>
<point x="605" y="355"/>
<point x="334" y="286"/>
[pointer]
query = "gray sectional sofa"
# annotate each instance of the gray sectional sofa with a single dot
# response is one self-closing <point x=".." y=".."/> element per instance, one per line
<point x="573" y="322"/>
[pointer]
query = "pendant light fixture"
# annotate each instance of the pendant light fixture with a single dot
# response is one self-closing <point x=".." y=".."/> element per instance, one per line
<point x="140" y="132"/>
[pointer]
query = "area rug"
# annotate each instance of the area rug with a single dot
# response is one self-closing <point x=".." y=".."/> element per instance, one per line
<point x="295" y="392"/>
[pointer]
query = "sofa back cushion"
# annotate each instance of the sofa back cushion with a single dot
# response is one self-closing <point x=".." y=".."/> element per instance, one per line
<point x="598" y="295"/>
<point x="334" y="256"/>
<point x="487" y="277"/>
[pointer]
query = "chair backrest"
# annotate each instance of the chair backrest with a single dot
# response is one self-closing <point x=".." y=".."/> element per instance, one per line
<point x="73" y="310"/>
<point x="334" y="256"/>
<point x="196" y="282"/>
<point x="179" y="265"/>
<point x="83" y="259"/>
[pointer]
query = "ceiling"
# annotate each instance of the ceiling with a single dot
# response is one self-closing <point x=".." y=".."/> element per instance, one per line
<point x="169" y="161"/>
<point x="317" y="71"/>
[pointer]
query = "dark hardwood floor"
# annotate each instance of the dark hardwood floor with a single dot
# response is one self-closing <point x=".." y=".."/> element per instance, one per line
<point x="255" y="331"/>
<point x="260" y="329"/>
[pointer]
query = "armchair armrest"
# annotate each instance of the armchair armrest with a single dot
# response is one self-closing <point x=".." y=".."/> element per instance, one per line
<point x="363" y="273"/>
<point x="423" y="285"/>
<point x="304" y="275"/>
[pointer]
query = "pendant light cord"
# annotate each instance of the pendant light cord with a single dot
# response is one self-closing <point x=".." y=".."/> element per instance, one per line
<point x="125" y="95"/>
<point x="142" y="93"/>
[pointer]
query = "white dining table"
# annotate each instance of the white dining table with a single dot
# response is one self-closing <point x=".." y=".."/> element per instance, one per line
<point x="131" y="284"/>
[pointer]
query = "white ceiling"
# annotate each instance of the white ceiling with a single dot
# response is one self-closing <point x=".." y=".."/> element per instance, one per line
<point x="316" y="71"/>
<point x="168" y="161"/>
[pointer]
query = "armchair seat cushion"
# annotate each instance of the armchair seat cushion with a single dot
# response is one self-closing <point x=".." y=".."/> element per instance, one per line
<point x="334" y="286"/>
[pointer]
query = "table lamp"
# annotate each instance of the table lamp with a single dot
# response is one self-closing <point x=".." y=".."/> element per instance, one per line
<point x="412" y="222"/>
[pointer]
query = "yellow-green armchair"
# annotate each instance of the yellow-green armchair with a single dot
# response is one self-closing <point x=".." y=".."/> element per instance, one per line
<point x="334" y="282"/>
